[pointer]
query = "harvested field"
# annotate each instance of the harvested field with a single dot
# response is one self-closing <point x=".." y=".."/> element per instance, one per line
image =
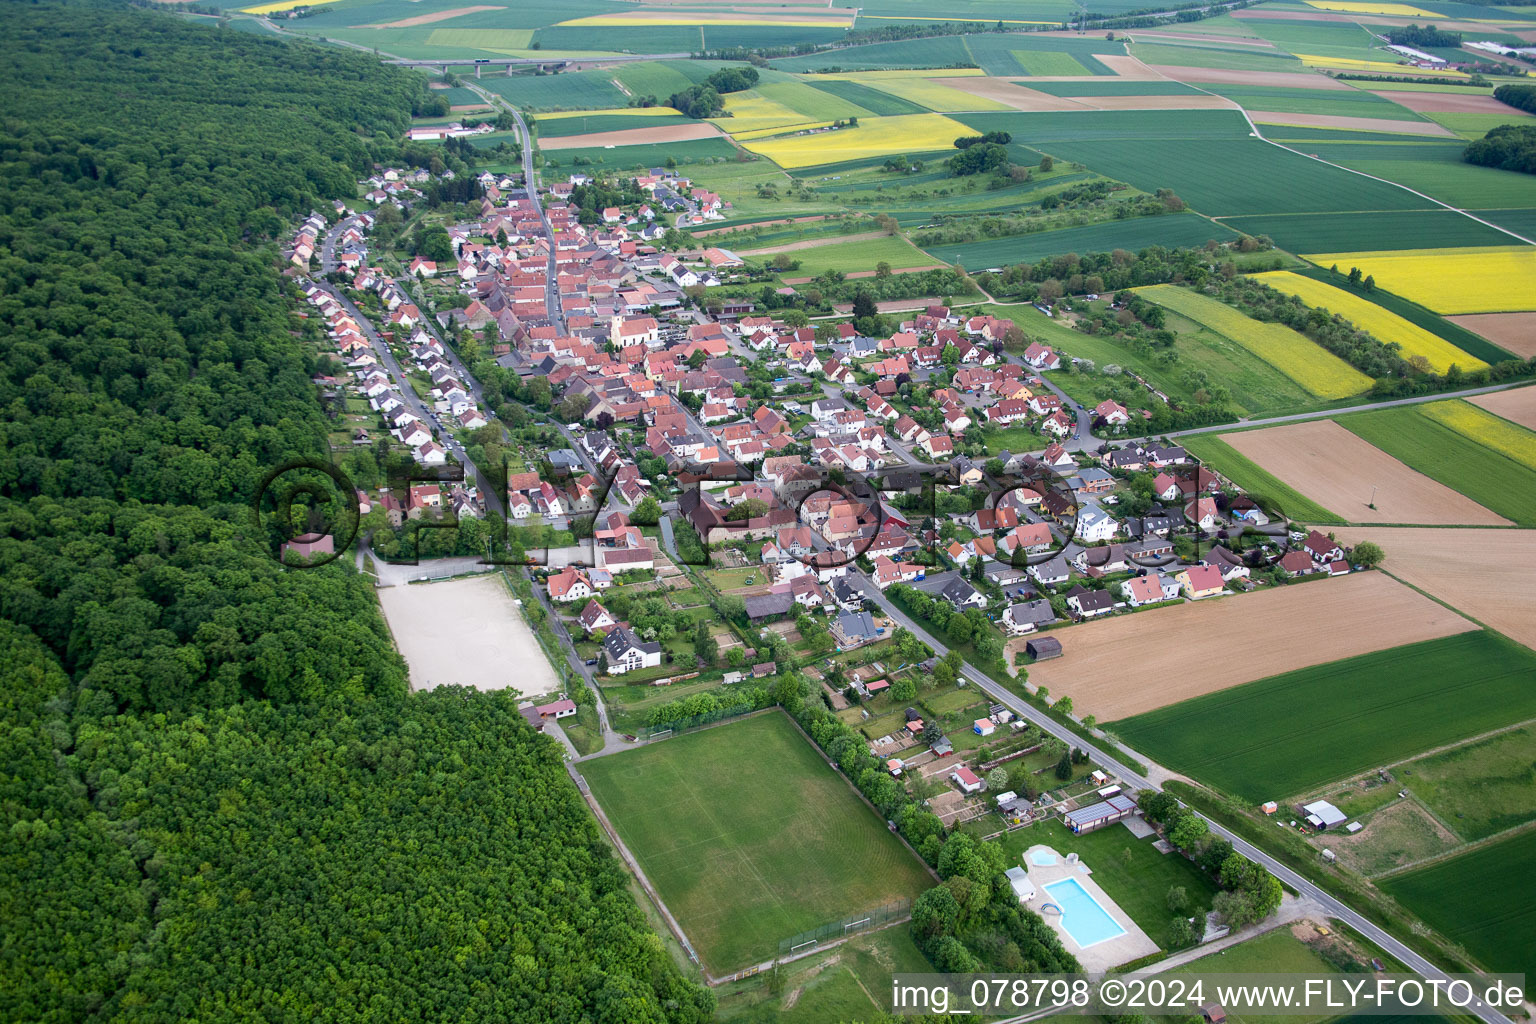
<point x="1335" y="468"/>
<point x="435" y="16"/>
<point x="1449" y="102"/>
<point x="466" y="632"/>
<point x="817" y="18"/>
<point x="1225" y="76"/>
<point x="1485" y="573"/>
<point x="1016" y="96"/>
<point x="1355" y="124"/>
<point x="1513" y="332"/>
<point x="1127" y="67"/>
<point x="1517" y="406"/>
<point x="1341" y="617"/>
<point x="633" y="137"/>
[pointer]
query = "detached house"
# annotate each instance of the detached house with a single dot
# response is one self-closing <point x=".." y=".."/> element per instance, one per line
<point x="626" y="653"/>
<point x="569" y="584"/>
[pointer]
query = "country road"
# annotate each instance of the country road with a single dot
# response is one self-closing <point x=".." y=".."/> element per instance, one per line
<point x="1154" y="778"/>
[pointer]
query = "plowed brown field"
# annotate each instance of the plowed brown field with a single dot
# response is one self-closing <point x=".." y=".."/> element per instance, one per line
<point x="1339" y="470"/>
<point x="1485" y="573"/>
<point x="1129" y="664"/>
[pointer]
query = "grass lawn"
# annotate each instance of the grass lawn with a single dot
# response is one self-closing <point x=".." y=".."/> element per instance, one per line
<point x="749" y="837"/>
<point x="843" y="984"/>
<point x="1251" y="477"/>
<point x="735" y="579"/>
<point x="853" y="257"/>
<point x="1290" y="732"/>
<point x="1484" y="899"/>
<point x="1131" y="871"/>
<point x="1481" y="788"/>
<point x="1257" y="388"/>
<point x="1276" y="952"/>
<point x="1494" y="481"/>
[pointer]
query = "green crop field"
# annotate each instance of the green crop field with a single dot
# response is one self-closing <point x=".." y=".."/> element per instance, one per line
<point x="814" y="103"/>
<point x="1440" y="172"/>
<point x="1494" y="481"/>
<point x="1481" y="788"/>
<point x="1336" y="102"/>
<point x="1371" y="232"/>
<point x="1291" y="732"/>
<point x="1476" y="125"/>
<point x="1206" y="156"/>
<point x="1322" y="39"/>
<point x="554" y="128"/>
<point x="574" y="90"/>
<point x="636" y="38"/>
<point x="940" y="51"/>
<point x="1253" y="478"/>
<point x="1521" y="221"/>
<point x="852" y="257"/>
<point x="647" y="155"/>
<point x="1256" y="387"/>
<point x="652" y="78"/>
<point x="1111" y="87"/>
<point x="1009" y="55"/>
<point x="1179" y="229"/>
<point x="749" y="837"/>
<point x="1485" y="899"/>
<point x="873" y="100"/>
<point x="1247" y="58"/>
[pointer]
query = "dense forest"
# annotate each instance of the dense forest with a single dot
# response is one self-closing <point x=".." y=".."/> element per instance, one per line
<point x="219" y="800"/>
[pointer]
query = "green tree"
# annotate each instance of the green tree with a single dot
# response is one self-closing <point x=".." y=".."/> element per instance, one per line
<point x="997" y="779"/>
<point x="647" y="512"/>
<point x="1064" y="766"/>
<point x="1367" y="553"/>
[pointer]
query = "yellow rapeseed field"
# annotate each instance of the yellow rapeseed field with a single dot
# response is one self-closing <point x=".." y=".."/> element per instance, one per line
<point x="284" y="5"/>
<point x="1486" y="429"/>
<point x="1354" y="7"/>
<point x="1312" y="60"/>
<point x="935" y="95"/>
<point x="701" y="18"/>
<point x="874" y="136"/>
<point x="1487" y="279"/>
<point x="763" y="133"/>
<point x="1383" y="323"/>
<point x="555" y="115"/>
<point x="1307" y="363"/>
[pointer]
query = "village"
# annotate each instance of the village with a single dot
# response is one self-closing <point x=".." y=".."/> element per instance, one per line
<point x="723" y="496"/>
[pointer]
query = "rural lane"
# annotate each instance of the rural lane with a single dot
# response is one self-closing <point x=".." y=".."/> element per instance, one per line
<point x="1303" y="886"/>
<point x="1385" y="404"/>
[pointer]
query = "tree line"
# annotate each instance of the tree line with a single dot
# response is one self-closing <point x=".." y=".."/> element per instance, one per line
<point x="221" y="799"/>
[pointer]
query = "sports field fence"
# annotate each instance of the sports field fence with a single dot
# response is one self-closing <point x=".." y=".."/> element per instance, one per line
<point x="853" y="924"/>
<point x="661" y="732"/>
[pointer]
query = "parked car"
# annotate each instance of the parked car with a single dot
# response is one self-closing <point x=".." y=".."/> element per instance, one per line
<point x="591" y="661"/>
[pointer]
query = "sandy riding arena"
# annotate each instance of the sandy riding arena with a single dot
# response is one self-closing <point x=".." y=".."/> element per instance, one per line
<point x="1338" y="469"/>
<point x="468" y="632"/>
<point x="1128" y="664"/>
<point x="1514" y="332"/>
<point x="633" y="136"/>
<point x="1517" y="406"/>
<point x="1485" y="573"/>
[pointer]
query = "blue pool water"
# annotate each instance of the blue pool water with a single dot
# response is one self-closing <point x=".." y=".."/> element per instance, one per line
<point x="1042" y="858"/>
<point x="1081" y="916"/>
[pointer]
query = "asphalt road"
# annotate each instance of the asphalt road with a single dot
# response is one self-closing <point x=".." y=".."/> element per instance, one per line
<point x="1135" y="780"/>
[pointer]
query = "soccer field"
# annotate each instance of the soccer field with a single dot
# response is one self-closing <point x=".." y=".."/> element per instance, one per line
<point x="749" y="837"/>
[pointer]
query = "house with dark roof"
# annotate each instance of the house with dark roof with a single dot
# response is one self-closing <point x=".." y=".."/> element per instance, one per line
<point x="962" y="595"/>
<point x="854" y="628"/>
<point x="1027" y="616"/>
<point x="626" y="652"/>
<point x="1088" y="604"/>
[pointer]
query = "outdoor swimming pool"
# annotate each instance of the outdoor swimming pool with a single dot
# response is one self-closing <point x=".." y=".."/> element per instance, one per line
<point x="1081" y="916"/>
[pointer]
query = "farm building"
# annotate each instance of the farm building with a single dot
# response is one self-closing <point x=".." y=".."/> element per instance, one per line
<point x="1023" y="888"/>
<point x="1096" y="816"/>
<point x="1322" y="815"/>
<point x="559" y="709"/>
<point x="1043" y="647"/>
<point x="967" y="780"/>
